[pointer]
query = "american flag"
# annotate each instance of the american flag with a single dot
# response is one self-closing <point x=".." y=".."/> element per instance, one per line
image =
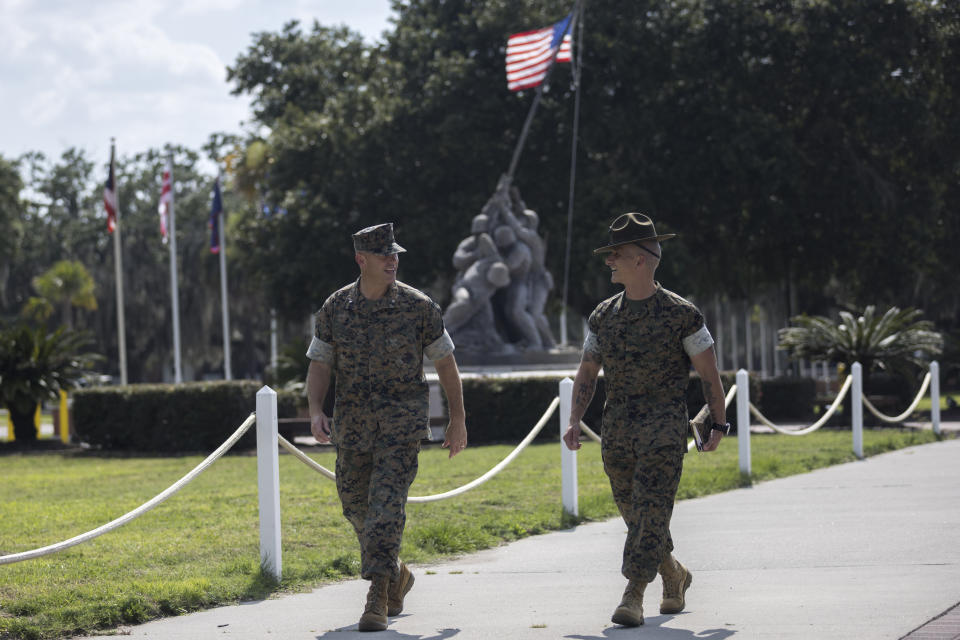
<point x="166" y="200"/>
<point x="530" y="54"/>
<point x="110" y="196"/>
<point x="216" y="208"/>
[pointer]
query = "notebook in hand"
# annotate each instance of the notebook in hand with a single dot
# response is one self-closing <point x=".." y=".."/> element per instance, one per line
<point x="700" y="426"/>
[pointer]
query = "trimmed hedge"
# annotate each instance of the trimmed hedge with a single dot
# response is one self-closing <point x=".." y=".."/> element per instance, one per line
<point x="199" y="416"/>
<point x="788" y="398"/>
<point x="165" y="418"/>
<point x="505" y="409"/>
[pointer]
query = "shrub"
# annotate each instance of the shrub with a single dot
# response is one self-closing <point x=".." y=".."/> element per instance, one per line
<point x="505" y="409"/>
<point x="788" y="398"/>
<point x="195" y="416"/>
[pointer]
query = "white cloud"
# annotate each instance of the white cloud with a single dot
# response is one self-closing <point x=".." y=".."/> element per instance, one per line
<point x="145" y="71"/>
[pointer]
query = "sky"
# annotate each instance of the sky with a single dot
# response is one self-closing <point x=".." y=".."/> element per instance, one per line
<point x="147" y="72"/>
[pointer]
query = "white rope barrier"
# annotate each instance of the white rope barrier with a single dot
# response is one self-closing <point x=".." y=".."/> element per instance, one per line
<point x="590" y="432"/>
<point x="816" y="425"/>
<point x="453" y="492"/>
<point x="307" y="460"/>
<point x="906" y="414"/>
<point x="139" y="511"/>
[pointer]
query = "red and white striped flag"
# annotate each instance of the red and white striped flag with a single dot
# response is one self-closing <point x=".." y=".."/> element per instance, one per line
<point x="166" y="200"/>
<point x="530" y="54"/>
<point x="110" y="196"/>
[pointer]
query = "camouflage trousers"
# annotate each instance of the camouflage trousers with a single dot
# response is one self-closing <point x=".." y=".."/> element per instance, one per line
<point x="644" y="484"/>
<point x="373" y="488"/>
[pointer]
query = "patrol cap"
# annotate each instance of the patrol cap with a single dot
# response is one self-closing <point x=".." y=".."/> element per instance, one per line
<point x="377" y="239"/>
<point x="631" y="228"/>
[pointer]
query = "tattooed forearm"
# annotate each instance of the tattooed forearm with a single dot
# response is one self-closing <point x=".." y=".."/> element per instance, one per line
<point x="708" y="397"/>
<point x="713" y="395"/>
<point x="582" y="395"/>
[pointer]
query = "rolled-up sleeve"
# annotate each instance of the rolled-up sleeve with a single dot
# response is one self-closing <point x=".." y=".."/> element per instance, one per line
<point x="591" y="344"/>
<point x="321" y="351"/>
<point x="698" y="342"/>
<point x="321" y="347"/>
<point x="439" y="348"/>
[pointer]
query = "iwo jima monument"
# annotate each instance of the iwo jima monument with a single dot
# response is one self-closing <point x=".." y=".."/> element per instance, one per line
<point x="497" y="312"/>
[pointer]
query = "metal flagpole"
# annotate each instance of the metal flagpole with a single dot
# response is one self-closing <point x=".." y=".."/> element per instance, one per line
<point x="224" y="304"/>
<point x="174" y="286"/>
<point x="577" y="68"/>
<point x="536" y="101"/>
<point x="118" y="269"/>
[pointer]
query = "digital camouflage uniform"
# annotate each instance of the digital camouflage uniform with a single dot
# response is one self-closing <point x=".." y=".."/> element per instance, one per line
<point x="644" y="347"/>
<point x="375" y="350"/>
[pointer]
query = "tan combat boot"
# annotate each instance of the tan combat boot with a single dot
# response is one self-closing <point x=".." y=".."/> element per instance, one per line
<point x="374" y="616"/>
<point x="398" y="589"/>
<point x="676" y="580"/>
<point x="630" y="611"/>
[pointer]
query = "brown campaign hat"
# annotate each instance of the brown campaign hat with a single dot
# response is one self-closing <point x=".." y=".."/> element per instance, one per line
<point x="630" y="228"/>
<point x="377" y="239"/>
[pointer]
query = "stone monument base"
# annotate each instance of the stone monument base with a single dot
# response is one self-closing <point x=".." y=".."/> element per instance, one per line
<point x="556" y="358"/>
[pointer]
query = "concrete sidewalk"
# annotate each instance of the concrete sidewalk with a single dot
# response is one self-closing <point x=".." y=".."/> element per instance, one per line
<point x="869" y="549"/>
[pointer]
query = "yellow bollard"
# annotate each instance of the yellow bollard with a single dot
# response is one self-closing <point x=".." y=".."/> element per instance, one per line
<point x="10" y="436"/>
<point x="64" y="418"/>
<point x="37" y="419"/>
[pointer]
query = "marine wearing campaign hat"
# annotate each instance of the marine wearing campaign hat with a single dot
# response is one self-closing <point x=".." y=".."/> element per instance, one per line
<point x="377" y="239"/>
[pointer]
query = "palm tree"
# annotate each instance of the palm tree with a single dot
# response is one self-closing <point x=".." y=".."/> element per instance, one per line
<point x="66" y="284"/>
<point x="35" y="366"/>
<point x="895" y="342"/>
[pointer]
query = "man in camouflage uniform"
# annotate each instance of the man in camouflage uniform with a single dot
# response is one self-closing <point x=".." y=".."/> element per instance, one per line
<point x="372" y="336"/>
<point x="645" y="338"/>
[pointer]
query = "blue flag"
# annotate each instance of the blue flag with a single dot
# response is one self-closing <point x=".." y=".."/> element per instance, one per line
<point x="216" y="208"/>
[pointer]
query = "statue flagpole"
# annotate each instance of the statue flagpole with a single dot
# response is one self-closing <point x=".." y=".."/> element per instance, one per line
<point x="577" y="69"/>
<point x="536" y="99"/>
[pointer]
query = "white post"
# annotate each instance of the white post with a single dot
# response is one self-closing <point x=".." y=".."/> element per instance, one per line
<point x="268" y="482"/>
<point x="856" y="398"/>
<point x="568" y="458"/>
<point x="764" y="341"/>
<point x="734" y="344"/>
<point x="743" y="420"/>
<point x="563" y="327"/>
<point x="718" y="315"/>
<point x="935" y="396"/>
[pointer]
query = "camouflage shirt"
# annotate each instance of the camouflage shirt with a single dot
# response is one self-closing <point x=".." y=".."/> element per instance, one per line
<point x="645" y="347"/>
<point x="375" y="349"/>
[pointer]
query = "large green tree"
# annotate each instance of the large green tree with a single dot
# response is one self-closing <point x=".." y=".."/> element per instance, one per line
<point x="11" y="226"/>
<point x="790" y="143"/>
<point x="65" y="215"/>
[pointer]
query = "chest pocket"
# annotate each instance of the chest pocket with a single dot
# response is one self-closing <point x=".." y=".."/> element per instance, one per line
<point x="352" y="341"/>
<point x="402" y="351"/>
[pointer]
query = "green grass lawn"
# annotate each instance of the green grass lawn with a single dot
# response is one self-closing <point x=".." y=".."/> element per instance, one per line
<point x="200" y="548"/>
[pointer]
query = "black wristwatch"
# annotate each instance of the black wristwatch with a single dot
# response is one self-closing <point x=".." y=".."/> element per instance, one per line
<point x="722" y="428"/>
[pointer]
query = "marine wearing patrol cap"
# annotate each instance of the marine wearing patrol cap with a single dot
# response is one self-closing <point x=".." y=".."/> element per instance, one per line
<point x="377" y="239"/>
<point x="631" y="228"/>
